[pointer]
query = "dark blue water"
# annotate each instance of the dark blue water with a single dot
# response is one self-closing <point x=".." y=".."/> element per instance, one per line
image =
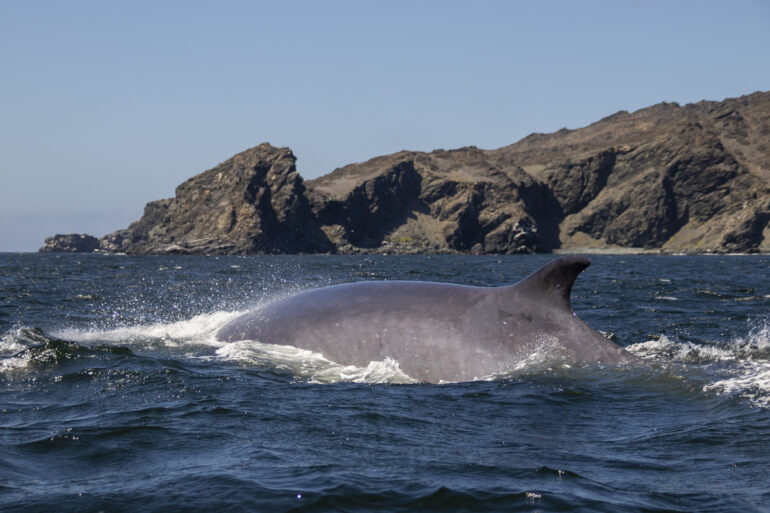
<point x="116" y="396"/>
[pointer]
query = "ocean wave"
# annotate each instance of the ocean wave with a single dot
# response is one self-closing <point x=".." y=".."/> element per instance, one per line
<point x="15" y="343"/>
<point x="739" y="367"/>
<point x="25" y="346"/>
<point x="47" y="352"/>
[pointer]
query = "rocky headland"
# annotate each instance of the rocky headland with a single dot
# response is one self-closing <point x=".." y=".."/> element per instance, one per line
<point x="671" y="178"/>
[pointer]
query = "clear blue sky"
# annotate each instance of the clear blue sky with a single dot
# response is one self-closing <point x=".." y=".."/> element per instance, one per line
<point x="106" y="105"/>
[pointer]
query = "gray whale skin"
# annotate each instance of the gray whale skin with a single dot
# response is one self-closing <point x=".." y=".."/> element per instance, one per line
<point x="435" y="331"/>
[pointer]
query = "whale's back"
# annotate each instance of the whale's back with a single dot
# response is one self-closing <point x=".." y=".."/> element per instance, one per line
<point x="435" y="331"/>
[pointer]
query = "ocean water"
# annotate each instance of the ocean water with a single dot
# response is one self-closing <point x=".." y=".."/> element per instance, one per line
<point x="116" y="396"/>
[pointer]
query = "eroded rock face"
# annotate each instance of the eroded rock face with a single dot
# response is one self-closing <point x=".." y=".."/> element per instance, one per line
<point x="444" y="201"/>
<point x="252" y="203"/>
<point x="693" y="178"/>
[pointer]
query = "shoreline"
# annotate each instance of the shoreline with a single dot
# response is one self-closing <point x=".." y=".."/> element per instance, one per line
<point x="557" y="252"/>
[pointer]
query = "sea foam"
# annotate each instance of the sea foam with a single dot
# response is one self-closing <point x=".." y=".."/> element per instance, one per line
<point x="738" y="368"/>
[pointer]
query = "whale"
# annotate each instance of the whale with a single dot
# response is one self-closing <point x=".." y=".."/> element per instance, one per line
<point x="436" y="332"/>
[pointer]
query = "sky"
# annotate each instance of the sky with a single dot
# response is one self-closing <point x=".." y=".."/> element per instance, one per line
<point x="106" y="105"/>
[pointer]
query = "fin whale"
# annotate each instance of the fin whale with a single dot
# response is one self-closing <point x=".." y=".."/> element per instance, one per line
<point x="435" y="331"/>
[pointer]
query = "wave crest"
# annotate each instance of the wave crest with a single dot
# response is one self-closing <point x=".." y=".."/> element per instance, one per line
<point x="739" y="367"/>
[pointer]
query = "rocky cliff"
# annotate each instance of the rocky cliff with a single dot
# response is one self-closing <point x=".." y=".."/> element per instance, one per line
<point x="668" y="177"/>
<point x="445" y="201"/>
<point x="692" y="178"/>
<point x="254" y="202"/>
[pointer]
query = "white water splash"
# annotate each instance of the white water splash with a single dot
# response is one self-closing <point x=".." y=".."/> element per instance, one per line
<point x="741" y="366"/>
<point x="750" y="376"/>
<point x="543" y="356"/>
<point x="10" y="342"/>
<point x="9" y="346"/>
<point x="311" y="366"/>
<point x="201" y="329"/>
<point x="666" y="350"/>
<point x="750" y="380"/>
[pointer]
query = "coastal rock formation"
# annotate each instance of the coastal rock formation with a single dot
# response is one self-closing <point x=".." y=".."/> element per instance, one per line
<point x="444" y="201"/>
<point x="70" y="243"/>
<point x="253" y="203"/>
<point x="693" y="178"/>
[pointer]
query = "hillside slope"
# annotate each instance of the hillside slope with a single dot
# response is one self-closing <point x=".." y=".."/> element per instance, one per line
<point x="693" y="178"/>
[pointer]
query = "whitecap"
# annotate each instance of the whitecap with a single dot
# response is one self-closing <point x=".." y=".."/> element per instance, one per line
<point x="749" y="380"/>
<point x="738" y="368"/>
<point x="666" y="350"/>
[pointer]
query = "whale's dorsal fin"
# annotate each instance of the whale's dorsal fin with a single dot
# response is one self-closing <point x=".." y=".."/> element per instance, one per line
<point x="553" y="282"/>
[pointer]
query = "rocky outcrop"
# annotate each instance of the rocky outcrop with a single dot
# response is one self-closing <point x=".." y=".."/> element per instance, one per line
<point x="253" y="203"/>
<point x="693" y="178"/>
<point x="70" y="243"/>
<point x="444" y="201"/>
<point x="669" y="178"/>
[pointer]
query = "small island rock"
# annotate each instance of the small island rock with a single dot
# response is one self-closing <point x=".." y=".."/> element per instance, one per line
<point x="70" y="243"/>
